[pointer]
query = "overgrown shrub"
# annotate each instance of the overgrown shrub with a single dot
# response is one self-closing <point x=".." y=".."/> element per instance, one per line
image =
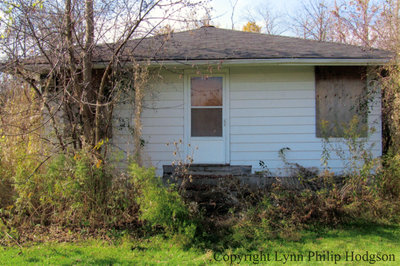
<point x="367" y="180"/>
<point x="19" y="113"/>
<point x="389" y="177"/>
<point x="368" y="191"/>
<point x="284" y="213"/>
<point x="70" y="191"/>
<point x="162" y="206"/>
<point x="6" y="190"/>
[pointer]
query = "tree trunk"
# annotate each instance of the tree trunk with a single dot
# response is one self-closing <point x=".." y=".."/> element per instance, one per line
<point x="88" y="93"/>
<point x="140" y="80"/>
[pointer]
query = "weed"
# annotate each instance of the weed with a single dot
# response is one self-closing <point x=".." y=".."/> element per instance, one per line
<point x="163" y="206"/>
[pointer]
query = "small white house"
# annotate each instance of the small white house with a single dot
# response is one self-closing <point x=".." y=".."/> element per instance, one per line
<point x="238" y="98"/>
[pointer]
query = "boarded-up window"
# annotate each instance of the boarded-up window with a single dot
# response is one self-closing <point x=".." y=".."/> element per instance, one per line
<point x="340" y="100"/>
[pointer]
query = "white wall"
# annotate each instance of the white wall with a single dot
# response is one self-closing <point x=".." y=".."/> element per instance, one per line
<point x="273" y="108"/>
<point x="270" y="108"/>
<point x="162" y="120"/>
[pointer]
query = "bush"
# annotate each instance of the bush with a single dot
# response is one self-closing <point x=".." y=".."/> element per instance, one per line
<point x="162" y="206"/>
<point x="389" y="177"/>
<point x="6" y="190"/>
<point x="283" y="212"/>
<point x="73" y="191"/>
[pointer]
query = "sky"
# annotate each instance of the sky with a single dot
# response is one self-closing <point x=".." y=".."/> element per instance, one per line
<point x="222" y="10"/>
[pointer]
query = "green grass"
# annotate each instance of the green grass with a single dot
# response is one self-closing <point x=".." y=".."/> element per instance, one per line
<point x="151" y="251"/>
<point x="359" y="239"/>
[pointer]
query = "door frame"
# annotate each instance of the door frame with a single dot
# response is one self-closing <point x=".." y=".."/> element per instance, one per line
<point x="224" y="73"/>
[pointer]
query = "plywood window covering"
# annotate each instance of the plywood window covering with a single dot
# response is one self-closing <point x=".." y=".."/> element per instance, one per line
<point x="340" y="95"/>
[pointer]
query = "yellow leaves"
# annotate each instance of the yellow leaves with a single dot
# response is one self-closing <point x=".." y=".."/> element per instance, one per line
<point x="97" y="162"/>
<point x="100" y="144"/>
<point x="251" y="26"/>
<point x="38" y="3"/>
<point x="324" y="123"/>
<point x="77" y="157"/>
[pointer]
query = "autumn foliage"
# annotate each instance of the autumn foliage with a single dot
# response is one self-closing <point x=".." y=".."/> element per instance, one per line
<point x="251" y="26"/>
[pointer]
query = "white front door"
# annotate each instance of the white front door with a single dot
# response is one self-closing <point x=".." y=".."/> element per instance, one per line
<point x="206" y="123"/>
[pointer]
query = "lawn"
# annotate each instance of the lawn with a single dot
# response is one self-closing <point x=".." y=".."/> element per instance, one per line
<point x="364" y="245"/>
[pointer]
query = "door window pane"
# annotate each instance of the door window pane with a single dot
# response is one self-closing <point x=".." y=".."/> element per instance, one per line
<point x="206" y="91"/>
<point x="206" y="122"/>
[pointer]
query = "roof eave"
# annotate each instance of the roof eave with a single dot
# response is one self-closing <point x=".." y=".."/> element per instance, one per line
<point x="272" y="61"/>
<point x="280" y="61"/>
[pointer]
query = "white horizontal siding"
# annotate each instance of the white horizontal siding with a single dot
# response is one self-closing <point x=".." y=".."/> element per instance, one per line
<point x="162" y="139"/>
<point x="266" y="129"/>
<point x="161" y="105"/>
<point x="154" y="113"/>
<point x="159" y="156"/>
<point x="273" y="108"/>
<point x="170" y="94"/>
<point x="273" y="121"/>
<point x="285" y="138"/>
<point x="157" y="130"/>
<point x="270" y="108"/>
<point x="275" y="103"/>
<point x="273" y="146"/>
<point x="162" y="122"/>
<point x="273" y="112"/>
<point x="272" y="155"/>
<point x="272" y="94"/>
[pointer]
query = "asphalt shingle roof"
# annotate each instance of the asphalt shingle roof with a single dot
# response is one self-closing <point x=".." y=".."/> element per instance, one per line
<point x="210" y="43"/>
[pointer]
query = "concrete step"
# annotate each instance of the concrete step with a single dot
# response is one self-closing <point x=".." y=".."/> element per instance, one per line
<point x="209" y="170"/>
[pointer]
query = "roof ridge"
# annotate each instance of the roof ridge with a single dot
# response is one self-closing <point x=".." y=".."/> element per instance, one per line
<point x="211" y="43"/>
<point x="280" y="36"/>
<point x="213" y="28"/>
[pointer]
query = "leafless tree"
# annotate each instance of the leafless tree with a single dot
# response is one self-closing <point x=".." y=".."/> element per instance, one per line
<point x="52" y="44"/>
<point x="314" y="21"/>
<point x="388" y="26"/>
<point x="270" y="20"/>
<point x="387" y="30"/>
<point x="356" y="21"/>
<point x="233" y="4"/>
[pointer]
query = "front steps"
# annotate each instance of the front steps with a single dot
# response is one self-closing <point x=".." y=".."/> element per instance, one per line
<point x="205" y="176"/>
<point x="215" y="187"/>
<point x="210" y="185"/>
<point x="208" y="170"/>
